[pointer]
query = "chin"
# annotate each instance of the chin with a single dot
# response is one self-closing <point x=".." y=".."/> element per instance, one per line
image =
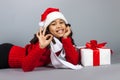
<point x="59" y="36"/>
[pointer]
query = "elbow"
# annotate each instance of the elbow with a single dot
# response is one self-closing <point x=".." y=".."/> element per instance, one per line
<point x="27" y="67"/>
<point x="74" y="61"/>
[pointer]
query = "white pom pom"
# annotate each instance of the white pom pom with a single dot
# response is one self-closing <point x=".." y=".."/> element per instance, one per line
<point x="41" y="24"/>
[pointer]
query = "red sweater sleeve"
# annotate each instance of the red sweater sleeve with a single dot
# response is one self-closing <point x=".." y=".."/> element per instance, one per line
<point x="34" y="54"/>
<point x="72" y="55"/>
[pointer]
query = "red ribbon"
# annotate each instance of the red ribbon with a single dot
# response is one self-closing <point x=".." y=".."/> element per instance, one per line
<point x="94" y="46"/>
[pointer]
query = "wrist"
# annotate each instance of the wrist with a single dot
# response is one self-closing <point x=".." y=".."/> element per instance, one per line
<point x="65" y="37"/>
<point x="41" y="46"/>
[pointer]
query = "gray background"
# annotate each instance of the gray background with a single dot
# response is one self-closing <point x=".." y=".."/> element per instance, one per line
<point x="90" y="19"/>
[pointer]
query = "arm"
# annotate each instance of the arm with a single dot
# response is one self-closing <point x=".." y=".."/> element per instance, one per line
<point x="72" y="55"/>
<point x="37" y="53"/>
<point x="34" y="54"/>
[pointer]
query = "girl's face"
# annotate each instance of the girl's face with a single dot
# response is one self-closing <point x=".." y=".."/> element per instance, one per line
<point x="57" y="28"/>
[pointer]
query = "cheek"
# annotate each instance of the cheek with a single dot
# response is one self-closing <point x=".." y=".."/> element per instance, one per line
<point x="52" y="30"/>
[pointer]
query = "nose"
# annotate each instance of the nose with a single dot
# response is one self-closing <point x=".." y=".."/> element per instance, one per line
<point x="58" y="25"/>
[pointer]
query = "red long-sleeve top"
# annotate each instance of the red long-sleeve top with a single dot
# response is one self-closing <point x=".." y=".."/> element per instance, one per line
<point x="32" y="55"/>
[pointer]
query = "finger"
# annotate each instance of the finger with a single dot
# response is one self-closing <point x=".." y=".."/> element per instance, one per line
<point x="38" y="34"/>
<point x="44" y="31"/>
<point x="41" y="30"/>
<point x="49" y="37"/>
<point x="68" y="29"/>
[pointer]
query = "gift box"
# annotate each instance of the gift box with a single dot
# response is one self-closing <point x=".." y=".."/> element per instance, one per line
<point x="95" y="54"/>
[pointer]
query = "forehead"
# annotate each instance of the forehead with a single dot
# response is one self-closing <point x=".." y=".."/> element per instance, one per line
<point x="58" y="20"/>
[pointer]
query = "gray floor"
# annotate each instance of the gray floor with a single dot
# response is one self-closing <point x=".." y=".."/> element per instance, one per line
<point x="107" y="72"/>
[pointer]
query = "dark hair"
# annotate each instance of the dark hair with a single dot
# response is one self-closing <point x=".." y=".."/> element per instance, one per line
<point x="35" y="39"/>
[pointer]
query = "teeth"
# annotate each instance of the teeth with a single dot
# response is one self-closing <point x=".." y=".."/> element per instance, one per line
<point x="60" y="31"/>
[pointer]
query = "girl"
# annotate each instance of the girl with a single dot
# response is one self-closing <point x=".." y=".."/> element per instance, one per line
<point x="52" y="41"/>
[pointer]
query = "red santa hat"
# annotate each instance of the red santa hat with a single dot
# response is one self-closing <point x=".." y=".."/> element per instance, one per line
<point x="50" y="15"/>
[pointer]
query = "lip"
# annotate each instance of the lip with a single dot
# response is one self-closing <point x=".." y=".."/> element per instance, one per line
<point x="60" y="31"/>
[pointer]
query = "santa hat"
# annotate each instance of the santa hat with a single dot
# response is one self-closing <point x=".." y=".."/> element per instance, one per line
<point x="50" y="15"/>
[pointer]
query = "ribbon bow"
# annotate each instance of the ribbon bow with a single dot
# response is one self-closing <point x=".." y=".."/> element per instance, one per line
<point x="94" y="45"/>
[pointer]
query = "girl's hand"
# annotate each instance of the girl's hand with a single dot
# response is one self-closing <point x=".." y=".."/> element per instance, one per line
<point x="67" y="33"/>
<point x="44" y="40"/>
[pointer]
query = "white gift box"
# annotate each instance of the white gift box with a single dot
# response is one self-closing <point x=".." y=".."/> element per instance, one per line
<point x="87" y="57"/>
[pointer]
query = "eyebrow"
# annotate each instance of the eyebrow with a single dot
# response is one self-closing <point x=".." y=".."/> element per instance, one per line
<point x="60" y="20"/>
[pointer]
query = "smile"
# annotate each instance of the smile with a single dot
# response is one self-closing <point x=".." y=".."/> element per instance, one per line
<point x="60" y="31"/>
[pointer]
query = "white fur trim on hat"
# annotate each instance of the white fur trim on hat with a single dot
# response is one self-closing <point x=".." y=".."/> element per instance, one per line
<point x="41" y="24"/>
<point x="51" y="17"/>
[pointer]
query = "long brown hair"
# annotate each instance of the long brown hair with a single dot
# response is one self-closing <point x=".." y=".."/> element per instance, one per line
<point x="35" y="39"/>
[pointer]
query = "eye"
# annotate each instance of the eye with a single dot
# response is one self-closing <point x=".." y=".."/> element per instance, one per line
<point x="62" y="22"/>
<point x="53" y="24"/>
